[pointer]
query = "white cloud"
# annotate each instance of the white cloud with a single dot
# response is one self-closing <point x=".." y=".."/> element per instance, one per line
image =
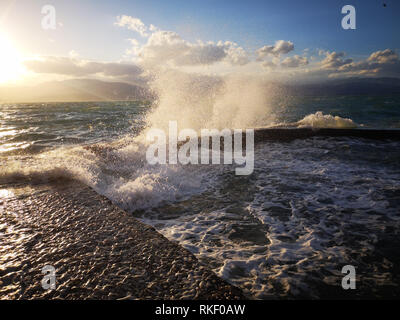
<point x="379" y="63"/>
<point x="385" y="56"/>
<point x="132" y="23"/>
<point x="236" y="55"/>
<point x="334" y="60"/>
<point x="153" y="28"/>
<point x="169" y="47"/>
<point x="280" y="47"/>
<point x="294" y="62"/>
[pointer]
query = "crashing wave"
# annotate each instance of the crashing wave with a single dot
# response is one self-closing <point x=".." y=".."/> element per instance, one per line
<point x="320" y="120"/>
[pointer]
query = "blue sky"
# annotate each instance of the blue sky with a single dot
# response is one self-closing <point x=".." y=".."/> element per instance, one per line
<point x="88" y="27"/>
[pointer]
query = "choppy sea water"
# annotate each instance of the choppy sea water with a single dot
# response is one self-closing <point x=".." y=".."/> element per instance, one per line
<point x="310" y="207"/>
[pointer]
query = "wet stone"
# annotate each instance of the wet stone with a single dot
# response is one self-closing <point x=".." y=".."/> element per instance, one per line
<point x="98" y="251"/>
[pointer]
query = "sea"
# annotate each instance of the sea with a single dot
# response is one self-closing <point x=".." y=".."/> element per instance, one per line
<point x="311" y="206"/>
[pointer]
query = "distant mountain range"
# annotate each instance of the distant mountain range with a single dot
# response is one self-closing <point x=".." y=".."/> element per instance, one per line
<point x="96" y="90"/>
<point x="349" y="86"/>
<point x="75" y="90"/>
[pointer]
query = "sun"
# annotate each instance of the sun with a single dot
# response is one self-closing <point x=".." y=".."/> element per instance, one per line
<point x="11" y="68"/>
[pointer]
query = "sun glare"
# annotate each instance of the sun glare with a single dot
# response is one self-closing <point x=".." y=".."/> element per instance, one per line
<point x="11" y="68"/>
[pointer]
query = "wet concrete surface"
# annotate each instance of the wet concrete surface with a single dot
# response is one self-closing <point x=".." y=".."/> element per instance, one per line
<point x="98" y="251"/>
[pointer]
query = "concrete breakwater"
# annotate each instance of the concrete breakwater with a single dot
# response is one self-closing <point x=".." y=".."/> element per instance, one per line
<point x="97" y="250"/>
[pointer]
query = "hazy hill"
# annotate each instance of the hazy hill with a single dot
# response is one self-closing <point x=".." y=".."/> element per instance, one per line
<point x="96" y="90"/>
<point x="74" y="90"/>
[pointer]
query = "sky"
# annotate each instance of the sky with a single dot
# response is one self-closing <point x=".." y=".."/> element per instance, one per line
<point x="118" y="40"/>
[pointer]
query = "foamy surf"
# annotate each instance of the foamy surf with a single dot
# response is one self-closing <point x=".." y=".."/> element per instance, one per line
<point x="121" y="174"/>
<point x="319" y="120"/>
<point x="293" y="221"/>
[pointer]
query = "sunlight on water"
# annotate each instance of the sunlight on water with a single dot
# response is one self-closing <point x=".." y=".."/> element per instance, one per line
<point x="7" y="132"/>
<point x="6" y="193"/>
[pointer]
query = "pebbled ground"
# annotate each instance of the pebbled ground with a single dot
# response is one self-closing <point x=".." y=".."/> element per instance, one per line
<point x="97" y="250"/>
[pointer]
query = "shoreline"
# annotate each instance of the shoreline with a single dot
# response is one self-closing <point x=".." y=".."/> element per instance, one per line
<point x="98" y="250"/>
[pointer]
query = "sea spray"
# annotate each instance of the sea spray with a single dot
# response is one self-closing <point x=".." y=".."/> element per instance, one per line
<point x="199" y="101"/>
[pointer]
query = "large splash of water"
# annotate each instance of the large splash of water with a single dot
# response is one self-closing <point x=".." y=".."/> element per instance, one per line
<point x="199" y="101"/>
<point x="119" y="170"/>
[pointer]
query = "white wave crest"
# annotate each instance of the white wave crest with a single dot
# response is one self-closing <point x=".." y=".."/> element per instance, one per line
<point x="320" y="120"/>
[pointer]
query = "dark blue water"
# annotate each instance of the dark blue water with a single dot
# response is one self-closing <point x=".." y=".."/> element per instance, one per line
<point x="367" y="111"/>
<point x="32" y="128"/>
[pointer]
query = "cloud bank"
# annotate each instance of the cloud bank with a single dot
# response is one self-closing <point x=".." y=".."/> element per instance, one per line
<point x="169" y="47"/>
<point x="75" y="67"/>
<point x="162" y="48"/>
